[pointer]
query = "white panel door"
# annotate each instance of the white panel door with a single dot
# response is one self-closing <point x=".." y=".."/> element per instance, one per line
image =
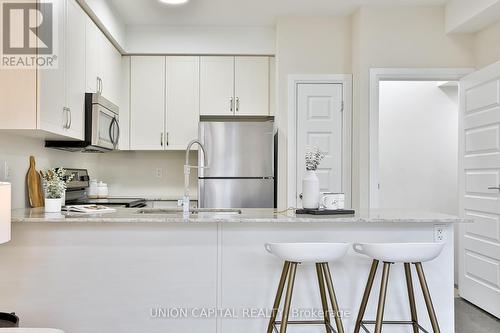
<point x="479" y="261"/>
<point x="251" y="86"/>
<point x="147" y="103"/>
<point x="217" y="86"/>
<point x="75" y="69"/>
<point x="319" y="123"/>
<point x="183" y="101"/>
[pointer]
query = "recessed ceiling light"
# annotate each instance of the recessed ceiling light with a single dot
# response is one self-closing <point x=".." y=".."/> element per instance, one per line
<point x="174" y="2"/>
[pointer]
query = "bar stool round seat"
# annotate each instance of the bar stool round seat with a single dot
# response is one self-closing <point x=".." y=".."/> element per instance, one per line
<point x="400" y="252"/>
<point x="308" y="252"/>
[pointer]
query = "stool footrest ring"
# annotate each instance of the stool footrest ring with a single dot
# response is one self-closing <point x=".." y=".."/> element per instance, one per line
<point x="304" y="322"/>
<point x="391" y="322"/>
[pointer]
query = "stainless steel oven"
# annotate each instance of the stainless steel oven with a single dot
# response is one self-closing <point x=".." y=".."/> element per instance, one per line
<point x="102" y="127"/>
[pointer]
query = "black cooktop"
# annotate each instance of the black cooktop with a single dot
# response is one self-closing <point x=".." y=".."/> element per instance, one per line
<point x="127" y="202"/>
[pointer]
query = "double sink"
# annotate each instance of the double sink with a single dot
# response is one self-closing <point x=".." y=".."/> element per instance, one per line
<point x="176" y="211"/>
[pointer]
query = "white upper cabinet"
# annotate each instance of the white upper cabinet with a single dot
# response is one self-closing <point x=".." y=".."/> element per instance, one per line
<point x="251" y="86"/>
<point x="103" y="64"/>
<point x="147" y="103"/>
<point x="183" y="101"/>
<point x="234" y="86"/>
<point x="62" y="90"/>
<point x="53" y="115"/>
<point x="217" y="86"/>
<point x="75" y="69"/>
<point x="93" y="54"/>
<point x="164" y="102"/>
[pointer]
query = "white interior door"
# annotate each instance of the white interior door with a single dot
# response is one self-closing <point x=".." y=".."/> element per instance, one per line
<point x="479" y="279"/>
<point x="319" y="123"/>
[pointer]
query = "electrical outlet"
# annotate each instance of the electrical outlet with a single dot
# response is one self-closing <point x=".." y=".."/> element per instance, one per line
<point x="439" y="233"/>
<point x="159" y="172"/>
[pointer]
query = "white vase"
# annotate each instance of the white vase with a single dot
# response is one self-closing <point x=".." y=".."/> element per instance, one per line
<point x="52" y="205"/>
<point x="310" y="190"/>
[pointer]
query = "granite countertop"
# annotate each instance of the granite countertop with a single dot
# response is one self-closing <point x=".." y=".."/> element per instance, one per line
<point x="132" y="215"/>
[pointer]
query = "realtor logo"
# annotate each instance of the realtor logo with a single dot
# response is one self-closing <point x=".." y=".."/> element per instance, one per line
<point x="28" y="34"/>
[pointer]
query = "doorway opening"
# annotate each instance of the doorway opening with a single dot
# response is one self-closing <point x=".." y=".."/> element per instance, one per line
<point x="418" y="145"/>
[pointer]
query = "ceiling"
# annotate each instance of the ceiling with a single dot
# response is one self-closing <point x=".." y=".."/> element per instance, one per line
<point x="240" y="12"/>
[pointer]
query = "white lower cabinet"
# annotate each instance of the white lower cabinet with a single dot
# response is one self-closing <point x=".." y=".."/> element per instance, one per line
<point x="164" y="102"/>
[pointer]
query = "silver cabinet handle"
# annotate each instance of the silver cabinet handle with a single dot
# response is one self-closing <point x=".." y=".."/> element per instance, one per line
<point x="231" y="104"/>
<point x="494" y="188"/>
<point x="98" y="85"/>
<point x="66" y="113"/>
<point x="161" y="139"/>
<point x="237" y="104"/>
<point x="70" y="118"/>
<point x="102" y="85"/>
<point x="167" y="137"/>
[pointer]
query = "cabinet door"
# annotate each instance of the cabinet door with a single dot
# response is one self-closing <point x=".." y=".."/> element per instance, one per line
<point x="251" y="77"/>
<point x="147" y="103"/>
<point x="75" y="69"/>
<point x="182" y="101"/>
<point x="52" y="113"/>
<point x="110" y="69"/>
<point x="217" y="86"/>
<point x="92" y="55"/>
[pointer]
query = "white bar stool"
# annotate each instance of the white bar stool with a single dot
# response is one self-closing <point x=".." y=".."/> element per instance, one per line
<point x="294" y="254"/>
<point x="390" y="253"/>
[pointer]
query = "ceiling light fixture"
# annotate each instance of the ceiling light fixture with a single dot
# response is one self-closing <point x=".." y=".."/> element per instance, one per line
<point x="174" y="2"/>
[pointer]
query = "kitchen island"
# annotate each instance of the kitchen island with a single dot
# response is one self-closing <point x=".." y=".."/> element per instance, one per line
<point x="132" y="272"/>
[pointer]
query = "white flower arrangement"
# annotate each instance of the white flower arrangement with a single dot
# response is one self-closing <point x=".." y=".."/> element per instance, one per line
<point x="55" y="182"/>
<point x="314" y="156"/>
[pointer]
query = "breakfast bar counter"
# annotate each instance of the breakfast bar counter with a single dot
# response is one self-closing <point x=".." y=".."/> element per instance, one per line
<point x="209" y="273"/>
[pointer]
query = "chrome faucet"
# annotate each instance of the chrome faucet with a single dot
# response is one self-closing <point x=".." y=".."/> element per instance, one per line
<point x="187" y="171"/>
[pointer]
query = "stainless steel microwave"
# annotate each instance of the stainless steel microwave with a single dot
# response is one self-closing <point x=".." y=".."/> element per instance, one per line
<point x="102" y="127"/>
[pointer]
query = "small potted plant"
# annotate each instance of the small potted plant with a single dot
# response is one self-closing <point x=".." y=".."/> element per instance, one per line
<point x="54" y="182"/>
<point x="310" y="183"/>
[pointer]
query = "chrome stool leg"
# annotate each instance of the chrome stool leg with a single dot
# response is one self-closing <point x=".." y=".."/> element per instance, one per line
<point x="288" y="297"/>
<point x="277" y="299"/>
<point x="324" y="301"/>
<point x="427" y="297"/>
<point x="333" y="298"/>
<point x="381" y="300"/>
<point x="366" y="295"/>
<point x="411" y="298"/>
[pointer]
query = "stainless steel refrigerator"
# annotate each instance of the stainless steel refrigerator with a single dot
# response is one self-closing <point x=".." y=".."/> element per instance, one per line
<point x="241" y="160"/>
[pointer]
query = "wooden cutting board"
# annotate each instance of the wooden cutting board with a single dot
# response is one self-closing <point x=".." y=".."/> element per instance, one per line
<point x="34" y="183"/>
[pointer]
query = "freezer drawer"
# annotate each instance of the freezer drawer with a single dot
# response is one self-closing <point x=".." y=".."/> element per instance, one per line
<point x="237" y="149"/>
<point x="236" y="193"/>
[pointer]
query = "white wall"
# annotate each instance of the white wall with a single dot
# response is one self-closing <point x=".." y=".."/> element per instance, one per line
<point x="377" y="43"/>
<point x="16" y="150"/>
<point x="162" y="39"/>
<point x="130" y="174"/>
<point x="487" y="46"/>
<point x="105" y="15"/>
<point x="418" y="146"/>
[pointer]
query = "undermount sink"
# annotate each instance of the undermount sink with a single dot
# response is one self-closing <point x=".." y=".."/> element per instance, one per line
<point x="161" y="211"/>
